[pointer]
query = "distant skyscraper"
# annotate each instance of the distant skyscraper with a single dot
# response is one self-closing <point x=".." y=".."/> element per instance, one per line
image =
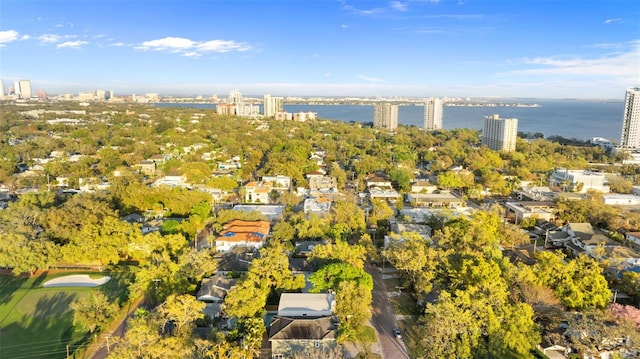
<point x="433" y="114"/>
<point x="631" y="120"/>
<point x="1" y="88"/>
<point x="500" y="133"/>
<point x="16" y="88"/>
<point x="272" y="105"/>
<point x="385" y="115"/>
<point x="25" y="89"/>
<point x="234" y="96"/>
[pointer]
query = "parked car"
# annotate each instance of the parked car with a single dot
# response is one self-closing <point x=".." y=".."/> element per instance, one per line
<point x="397" y="333"/>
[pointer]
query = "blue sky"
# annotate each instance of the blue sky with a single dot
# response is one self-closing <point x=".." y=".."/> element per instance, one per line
<point x="461" y="48"/>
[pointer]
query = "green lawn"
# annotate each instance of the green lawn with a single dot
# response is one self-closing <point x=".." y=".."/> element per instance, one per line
<point x="36" y="322"/>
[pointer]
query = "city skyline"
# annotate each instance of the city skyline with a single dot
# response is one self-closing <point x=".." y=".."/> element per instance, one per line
<point x="551" y="49"/>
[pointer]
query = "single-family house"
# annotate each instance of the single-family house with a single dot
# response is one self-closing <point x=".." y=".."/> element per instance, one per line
<point x="147" y="167"/>
<point x="319" y="206"/>
<point x="422" y="186"/>
<point x="518" y="211"/>
<point x="305" y="337"/>
<point x="238" y="233"/>
<point x="434" y="200"/>
<point x="295" y="305"/>
<point x="322" y="182"/>
<point x="215" y="288"/>
<point x="379" y="180"/>
<point x="172" y="180"/>
<point x="279" y="182"/>
<point x="258" y="192"/>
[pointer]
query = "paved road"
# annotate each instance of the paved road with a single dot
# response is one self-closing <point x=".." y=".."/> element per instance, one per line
<point x="109" y="340"/>
<point x="383" y="319"/>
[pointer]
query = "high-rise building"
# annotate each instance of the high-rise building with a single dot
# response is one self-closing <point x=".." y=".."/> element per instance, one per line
<point x="433" y="114"/>
<point x="16" y="88"/>
<point x="25" y="89"/>
<point x="234" y="96"/>
<point x="1" y="88"/>
<point x="631" y="120"/>
<point x="272" y="105"/>
<point x="500" y="133"/>
<point x="385" y="115"/>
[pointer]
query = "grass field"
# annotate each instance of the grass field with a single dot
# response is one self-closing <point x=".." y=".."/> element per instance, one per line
<point x="36" y="322"/>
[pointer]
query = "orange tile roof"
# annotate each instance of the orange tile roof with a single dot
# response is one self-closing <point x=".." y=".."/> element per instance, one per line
<point x="245" y="231"/>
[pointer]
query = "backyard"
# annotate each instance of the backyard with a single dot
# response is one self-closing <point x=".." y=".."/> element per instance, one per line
<point x="36" y="322"/>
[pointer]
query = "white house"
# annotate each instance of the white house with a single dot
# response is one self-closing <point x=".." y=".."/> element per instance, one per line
<point x="306" y="305"/>
<point x="579" y="180"/>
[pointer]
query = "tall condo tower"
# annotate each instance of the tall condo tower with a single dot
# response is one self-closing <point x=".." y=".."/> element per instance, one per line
<point x="272" y="105"/>
<point x="16" y="88"/>
<point x="433" y="114"/>
<point x="234" y="96"/>
<point x="385" y="115"/>
<point x="1" y="88"/>
<point x="25" y="89"/>
<point x="500" y="133"/>
<point x="631" y="120"/>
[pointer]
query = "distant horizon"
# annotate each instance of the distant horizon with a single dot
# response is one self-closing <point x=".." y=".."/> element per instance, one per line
<point x="223" y="94"/>
<point x="395" y="48"/>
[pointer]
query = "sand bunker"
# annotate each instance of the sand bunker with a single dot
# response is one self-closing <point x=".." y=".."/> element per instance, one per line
<point x="76" y="280"/>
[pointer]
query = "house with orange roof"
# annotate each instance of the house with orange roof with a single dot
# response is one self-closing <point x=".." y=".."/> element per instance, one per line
<point x="258" y="192"/>
<point x="239" y="233"/>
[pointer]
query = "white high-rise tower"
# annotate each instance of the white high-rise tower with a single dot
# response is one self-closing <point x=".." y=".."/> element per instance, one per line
<point x="500" y="133"/>
<point x="631" y="119"/>
<point x="272" y="105"/>
<point x="25" y="89"/>
<point x="433" y="114"/>
<point x="1" y="88"/>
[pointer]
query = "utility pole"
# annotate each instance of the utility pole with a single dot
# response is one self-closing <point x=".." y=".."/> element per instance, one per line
<point x="107" y="339"/>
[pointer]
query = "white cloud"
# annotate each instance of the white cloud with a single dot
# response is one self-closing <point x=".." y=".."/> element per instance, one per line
<point x="174" y="44"/>
<point x="8" y="36"/>
<point x="344" y="26"/>
<point x="221" y="46"/>
<point x="190" y="48"/>
<point x="610" y="21"/>
<point x="398" y="5"/>
<point x="370" y="79"/>
<point x="621" y="63"/>
<point x="117" y="44"/>
<point x="49" y="38"/>
<point x="72" y="44"/>
<point x="25" y="37"/>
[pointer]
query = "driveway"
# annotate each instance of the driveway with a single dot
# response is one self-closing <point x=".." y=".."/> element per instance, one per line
<point x="384" y="318"/>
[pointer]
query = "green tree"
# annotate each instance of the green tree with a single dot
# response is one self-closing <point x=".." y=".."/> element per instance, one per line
<point x="182" y="311"/>
<point x="92" y="313"/>
<point x="340" y="251"/>
<point x="331" y="275"/>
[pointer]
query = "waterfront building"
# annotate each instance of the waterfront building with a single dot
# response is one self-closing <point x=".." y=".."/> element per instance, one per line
<point x="25" y="89"/>
<point x="433" y="114"/>
<point x="385" y="115"/>
<point x="631" y="120"/>
<point x="272" y="105"/>
<point x="234" y="96"/>
<point x="16" y="88"/>
<point x="500" y="133"/>
<point x="1" y="88"/>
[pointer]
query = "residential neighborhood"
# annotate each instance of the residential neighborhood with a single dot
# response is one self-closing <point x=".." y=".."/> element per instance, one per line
<point x="278" y="239"/>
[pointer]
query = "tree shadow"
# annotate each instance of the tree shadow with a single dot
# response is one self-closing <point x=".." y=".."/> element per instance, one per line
<point x="39" y="280"/>
<point x="8" y="286"/>
<point x="54" y="305"/>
